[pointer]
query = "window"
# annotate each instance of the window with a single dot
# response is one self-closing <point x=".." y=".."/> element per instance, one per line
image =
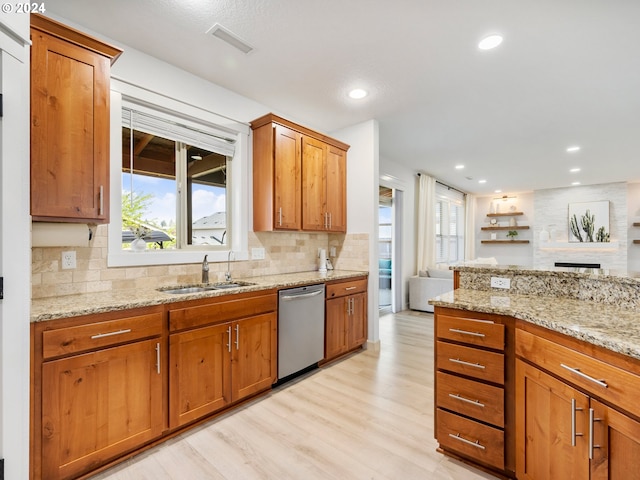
<point x="449" y="225"/>
<point x="178" y="182"/>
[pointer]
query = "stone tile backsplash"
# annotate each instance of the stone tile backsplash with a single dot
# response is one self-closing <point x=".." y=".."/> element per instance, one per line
<point x="284" y="253"/>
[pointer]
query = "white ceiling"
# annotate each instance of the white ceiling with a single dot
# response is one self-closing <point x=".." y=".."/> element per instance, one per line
<point x="568" y="72"/>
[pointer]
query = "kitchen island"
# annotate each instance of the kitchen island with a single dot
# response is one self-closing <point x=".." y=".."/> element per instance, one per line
<point x="540" y="380"/>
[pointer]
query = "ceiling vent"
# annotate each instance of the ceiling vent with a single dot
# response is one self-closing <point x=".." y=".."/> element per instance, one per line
<point x="231" y="38"/>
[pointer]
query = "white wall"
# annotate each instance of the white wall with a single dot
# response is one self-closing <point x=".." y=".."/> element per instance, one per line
<point x="15" y="252"/>
<point x="633" y="212"/>
<point x="362" y="201"/>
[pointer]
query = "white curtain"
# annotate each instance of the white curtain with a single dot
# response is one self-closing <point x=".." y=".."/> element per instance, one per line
<point x="469" y="227"/>
<point x="426" y="223"/>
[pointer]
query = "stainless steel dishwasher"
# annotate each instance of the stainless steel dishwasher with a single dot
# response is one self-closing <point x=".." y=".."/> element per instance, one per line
<point x="300" y="330"/>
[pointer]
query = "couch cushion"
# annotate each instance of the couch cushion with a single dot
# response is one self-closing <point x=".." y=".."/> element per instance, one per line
<point x="438" y="273"/>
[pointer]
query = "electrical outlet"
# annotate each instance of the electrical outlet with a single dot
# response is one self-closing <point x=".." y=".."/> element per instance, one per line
<point x="332" y="252"/>
<point x="257" y="254"/>
<point x="68" y="260"/>
<point x="500" y="282"/>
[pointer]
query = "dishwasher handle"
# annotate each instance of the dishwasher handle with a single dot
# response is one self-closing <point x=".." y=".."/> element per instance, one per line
<point x="302" y="295"/>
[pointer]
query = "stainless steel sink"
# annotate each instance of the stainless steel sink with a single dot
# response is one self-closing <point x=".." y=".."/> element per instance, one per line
<point x="204" y="288"/>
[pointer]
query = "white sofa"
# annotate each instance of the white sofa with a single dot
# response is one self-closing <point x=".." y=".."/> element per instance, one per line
<point x="428" y="284"/>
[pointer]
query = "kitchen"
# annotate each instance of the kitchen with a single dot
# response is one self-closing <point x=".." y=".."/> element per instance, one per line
<point x="361" y="138"/>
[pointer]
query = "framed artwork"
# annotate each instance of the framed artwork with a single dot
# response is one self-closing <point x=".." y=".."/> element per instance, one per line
<point x="589" y="222"/>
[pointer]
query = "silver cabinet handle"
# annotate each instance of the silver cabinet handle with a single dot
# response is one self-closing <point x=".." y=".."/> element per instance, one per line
<point x="302" y="295"/>
<point x="577" y="371"/>
<point x="110" y="334"/>
<point x="101" y="201"/>
<point x="592" y="420"/>
<point x="465" y="332"/>
<point x="158" y="357"/>
<point x="463" y="399"/>
<point x="350" y="288"/>
<point x="280" y="217"/>
<point x="574" y="409"/>
<point x="326" y="220"/>
<point x="468" y="442"/>
<point x="229" y="338"/>
<point x="237" y="336"/>
<point x="329" y="220"/>
<point x="468" y="364"/>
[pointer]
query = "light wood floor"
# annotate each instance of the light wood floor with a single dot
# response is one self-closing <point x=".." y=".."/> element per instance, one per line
<point x="369" y="416"/>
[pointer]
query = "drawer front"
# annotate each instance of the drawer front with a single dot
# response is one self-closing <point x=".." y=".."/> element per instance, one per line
<point x="473" y="399"/>
<point x="220" y="312"/>
<point x="63" y="341"/>
<point x="472" y="439"/>
<point x="470" y="361"/>
<point x="600" y="379"/>
<point x="346" y="288"/>
<point x="483" y="333"/>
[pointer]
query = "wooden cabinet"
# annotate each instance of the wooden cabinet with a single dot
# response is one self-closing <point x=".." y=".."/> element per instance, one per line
<point x="98" y="390"/>
<point x="299" y="178"/>
<point x="564" y="427"/>
<point x="345" y="317"/>
<point x="228" y="352"/>
<point x="473" y="380"/>
<point x="69" y="123"/>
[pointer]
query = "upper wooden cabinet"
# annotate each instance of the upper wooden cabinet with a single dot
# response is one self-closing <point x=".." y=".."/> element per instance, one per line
<point x="69" y="123"/>
<point x="299" y="178"/>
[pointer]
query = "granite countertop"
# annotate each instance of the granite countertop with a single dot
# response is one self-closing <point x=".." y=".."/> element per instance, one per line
<point x="91" y="303"/>
<point x="608" y="326"/>
<point x="567" y="272"/>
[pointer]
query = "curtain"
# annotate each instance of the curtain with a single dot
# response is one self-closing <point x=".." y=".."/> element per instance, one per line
<point x="426" y="223"/>
<point x="469" y="227"/>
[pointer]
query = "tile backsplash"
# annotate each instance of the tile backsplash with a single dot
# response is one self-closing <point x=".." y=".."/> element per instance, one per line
<point x="284" y="253"/>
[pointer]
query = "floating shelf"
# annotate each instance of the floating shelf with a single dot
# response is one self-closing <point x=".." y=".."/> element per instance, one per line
<point x="517" y="227"/>
<point x="637" y="242"/>
<point x="509" y="214"/>
<point x="504" y="241"/>
<point x="636" y="224"/>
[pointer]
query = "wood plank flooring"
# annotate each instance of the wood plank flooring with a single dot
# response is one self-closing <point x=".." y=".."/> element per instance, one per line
<point x="369" y="416"/>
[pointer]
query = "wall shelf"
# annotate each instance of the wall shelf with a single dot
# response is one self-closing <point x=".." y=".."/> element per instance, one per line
<point x="505" y="241"/>
<point x="506" y="214"/>
<point x="517" y="227"/>
<point x="637" y="242"/>
<point x="636" y="224"/>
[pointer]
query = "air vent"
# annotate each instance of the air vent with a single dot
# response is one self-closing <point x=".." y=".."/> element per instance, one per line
<point x="231" y="38"/>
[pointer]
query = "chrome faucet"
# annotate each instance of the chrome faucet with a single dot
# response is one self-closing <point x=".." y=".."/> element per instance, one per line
<point x="227" y="275"/>
<point x="205" y="270"/>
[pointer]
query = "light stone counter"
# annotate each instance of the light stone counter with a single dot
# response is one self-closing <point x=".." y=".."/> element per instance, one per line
<point x="594" y="306"/>
<point x="100" y="302"/>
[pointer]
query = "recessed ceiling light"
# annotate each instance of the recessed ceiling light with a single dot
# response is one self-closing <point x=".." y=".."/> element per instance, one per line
<point x="482" y="181"/>
<point x="490" y="41"/>
<point x="229" y="37"/>
<point x="459" y="167"/>
<point x="572" y="149"/>
<point x="574" y="170"/>
<point x="497" y="191"/>
<point x="358" y="93"/>
<point x="575" y="183"/>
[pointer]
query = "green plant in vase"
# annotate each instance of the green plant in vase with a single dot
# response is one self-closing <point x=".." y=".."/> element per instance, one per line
<point x="512" y="234"/>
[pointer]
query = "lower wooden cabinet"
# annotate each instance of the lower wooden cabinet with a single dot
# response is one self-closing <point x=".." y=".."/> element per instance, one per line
<point x="345" y="317"/>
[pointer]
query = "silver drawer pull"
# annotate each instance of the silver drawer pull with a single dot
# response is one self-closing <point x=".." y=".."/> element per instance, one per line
<point x="350" y="288"/>
<point x="462" y="399"/>
<point x="465" y="332"/>
<point x="468" y="364"/>
<point x="574" y="409"/>
<point x="468" y="442"/>
<point x="110" y="334"/>
<point x="592" y="420"/>
<point x="577" y="371"/>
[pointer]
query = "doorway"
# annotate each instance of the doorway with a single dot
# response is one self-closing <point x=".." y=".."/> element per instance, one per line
<point x="385" y="248"/>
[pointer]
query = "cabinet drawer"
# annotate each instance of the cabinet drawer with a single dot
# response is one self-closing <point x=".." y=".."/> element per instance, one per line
<point x="221" y="311"/>
<point x="470" y="438"/>
<point x="473" y="399"/>
<point x="598" y="378"/>
<point x="483" y="333"/>
<point x="63" y="341"/>
<point x="346" y="288"/>
<point x="470" y="361"/>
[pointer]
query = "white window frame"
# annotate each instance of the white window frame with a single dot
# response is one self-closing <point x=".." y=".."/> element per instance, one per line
<point x="238" y="200"/>
<point x="449" y="197"/>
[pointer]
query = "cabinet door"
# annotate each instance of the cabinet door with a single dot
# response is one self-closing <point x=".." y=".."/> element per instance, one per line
<point x="616" y="452"/>
<point x="98" y="405"/>
<point x="335" y="337"/>
<point x="357" y="321"/>
<point x="551" y="427"/>
<point x="200" y="373"/>
<point x="337" y="189"/>
<point x="69" y="131"/>
<point x="288" y="147"/>
<point x="254" y="355"/>
<point x="314" y="207"/>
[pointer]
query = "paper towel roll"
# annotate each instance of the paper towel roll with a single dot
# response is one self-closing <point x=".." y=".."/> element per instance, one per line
<point x="323" y="260"/>
<point x="59" y="234"/>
